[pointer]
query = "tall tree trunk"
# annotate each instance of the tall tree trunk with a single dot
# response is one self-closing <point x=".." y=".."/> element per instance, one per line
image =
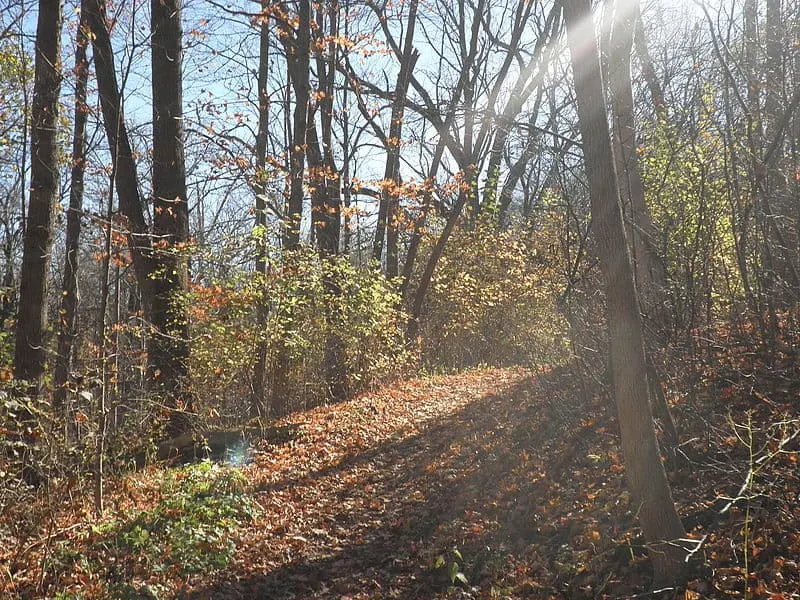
<point x="69" y="287"/>
<point x="297" y="59"/>
<point x="168" y="351"/>
<point x="123" y="162"/>
<point x="755" y="138"/>
<point x="257" y="407"/>
<point x="29" y="350"/>
<point x="390" y="200"/>
<point x="326" y="200"/>
<point x="775" y="183"/>
<point x="159" y="276"/>
<point x="645" y="474"/>
<point x="648" y="268"/>
<point x="297" y="44"/>
<point x="649" y="272"/>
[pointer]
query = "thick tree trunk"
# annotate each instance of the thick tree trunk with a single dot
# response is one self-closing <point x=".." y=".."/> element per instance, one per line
<point x="297" y="44"/>
<point x="649" y="272"/>
<point x="648" y="268"/>
<point x="29" y="350"/>
<point x="159" y="275"/>
<point x="69" y="287"/>
<point x="645" y="474"/>
<point x="168" y="351"/>
<point x="326" y="202"/>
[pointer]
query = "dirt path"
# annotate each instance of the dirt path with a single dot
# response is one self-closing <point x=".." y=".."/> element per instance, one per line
<point x="510" y="480"/>
<point x="376" y="489"/>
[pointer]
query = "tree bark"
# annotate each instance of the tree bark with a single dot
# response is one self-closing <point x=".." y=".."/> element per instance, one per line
<point x="390" y="203"/>
<point x="168" y="351"/>
<point x="257" y="406"/>
<point x="297" y="44"/>
<point x="297" y="59"/>
<point x="648" y="268"/>
<point x="645" y="474"/>
<point x="159" y="275"/>
<point x="326" y="197"/>
<point x="29" y="349"/>
<point x="69" y="287"/>
<point x="123" y="163"/>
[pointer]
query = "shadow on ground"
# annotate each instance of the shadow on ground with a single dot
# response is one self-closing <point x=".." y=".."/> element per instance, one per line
<point x="500" y="480"/>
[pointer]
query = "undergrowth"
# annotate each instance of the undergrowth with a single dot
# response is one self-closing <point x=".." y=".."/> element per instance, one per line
<point x="188" y="530"/>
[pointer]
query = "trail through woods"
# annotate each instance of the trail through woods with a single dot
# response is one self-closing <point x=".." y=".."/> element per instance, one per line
<point x="514" y="478"/>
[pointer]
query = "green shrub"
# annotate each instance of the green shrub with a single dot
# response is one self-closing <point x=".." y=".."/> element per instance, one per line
<point x="189" y="529"/>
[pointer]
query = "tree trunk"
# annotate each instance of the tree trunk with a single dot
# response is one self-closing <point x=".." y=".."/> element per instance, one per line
<point x="389" y="202"/>
<point x="297" y="45"/>
<point x="649" y="272"/>
<point x="123" y="163"/>
<point x="648" y="71"/>
<point x="160" y="275"/>
<point x="326" y="199"/>
<point x="297" y="59"/>
<point x="257" y="406"/>
<point x="645" y="474"/>
<point x="168" y="351"/>
<point x="69" y="286"/>
<point x="648" y="269"/>
<point x="412" y="329"/>
<point x="29" y="350"/>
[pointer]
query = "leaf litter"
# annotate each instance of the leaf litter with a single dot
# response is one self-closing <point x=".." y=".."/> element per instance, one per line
<point x="487" y="484"/>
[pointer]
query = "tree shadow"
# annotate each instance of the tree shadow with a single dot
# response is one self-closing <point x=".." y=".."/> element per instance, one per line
<point x="471" y="480"/>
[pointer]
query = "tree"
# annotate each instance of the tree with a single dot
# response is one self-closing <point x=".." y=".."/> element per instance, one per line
<point x="297" y="42"/>
<point x="168" y="351"/>
<point x="648" y="268"/>
<point x="257" y="407"/>
<point x="160" y="266"/>
<point x="29" y="351"/>
<point x="325" y="184"/>
<point x="389" y="201"/>
<point x="645" y="473"/>
<point x="69" y="286"/>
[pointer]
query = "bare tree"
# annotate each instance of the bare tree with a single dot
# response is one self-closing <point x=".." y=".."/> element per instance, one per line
<point x="645" y="473"/>
<point x="168" y="352"/>
<point x="69" y="286"/>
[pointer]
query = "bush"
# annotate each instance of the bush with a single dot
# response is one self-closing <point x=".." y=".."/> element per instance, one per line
<point x="493" y="301"/>
<point x="187" y="531"/>
<point x="301" y="313"/>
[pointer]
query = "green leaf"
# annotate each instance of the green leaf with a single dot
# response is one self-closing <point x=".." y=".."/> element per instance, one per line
<point x="454" y="571"/>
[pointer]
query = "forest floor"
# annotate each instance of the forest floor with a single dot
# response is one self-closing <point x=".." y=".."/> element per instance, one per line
<point x="487" y="484"/>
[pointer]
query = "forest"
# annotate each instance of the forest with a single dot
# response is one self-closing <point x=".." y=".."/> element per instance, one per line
<point x="399" y="299"/>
